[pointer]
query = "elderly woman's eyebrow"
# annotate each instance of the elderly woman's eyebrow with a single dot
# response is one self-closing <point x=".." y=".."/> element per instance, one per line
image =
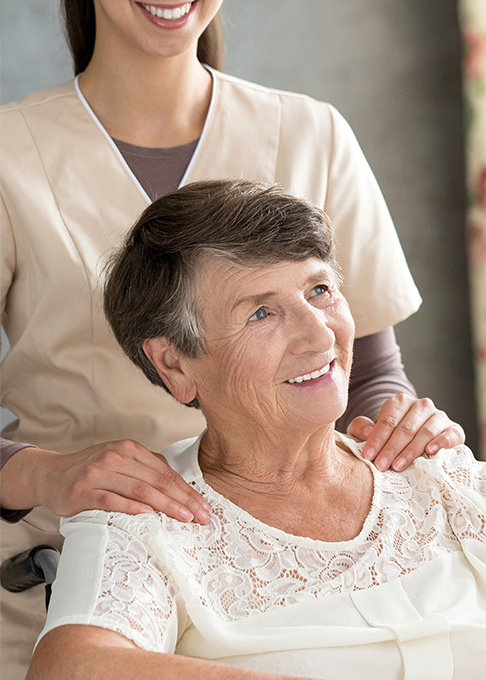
<point x="323" y="274"/>
<point x="254" y="299"/>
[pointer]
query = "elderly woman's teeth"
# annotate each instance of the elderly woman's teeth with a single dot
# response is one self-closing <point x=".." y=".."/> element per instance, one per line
<point x="169" y="14"/>
<point x="310" y="376"/>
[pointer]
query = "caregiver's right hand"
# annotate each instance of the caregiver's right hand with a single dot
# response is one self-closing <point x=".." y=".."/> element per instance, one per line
<point x="117" y="476"/>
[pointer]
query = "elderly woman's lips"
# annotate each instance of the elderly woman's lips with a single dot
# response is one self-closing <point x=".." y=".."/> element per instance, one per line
<point x="314" y="375"/>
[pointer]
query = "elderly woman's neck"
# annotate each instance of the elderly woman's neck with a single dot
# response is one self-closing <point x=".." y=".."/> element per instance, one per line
<point x="274" y="461"/>
<point x="314" y="489"/>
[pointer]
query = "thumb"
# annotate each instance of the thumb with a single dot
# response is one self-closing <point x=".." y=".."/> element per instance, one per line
<point x="361" y="428"/>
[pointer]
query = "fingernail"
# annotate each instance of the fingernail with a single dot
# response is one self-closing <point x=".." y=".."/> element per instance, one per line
<point x="146" y="509"/>
<point x="186" y="515"/>
<point x="206" y="505"/>
<point x="369" y="453"/>
<point x="432" y="449"/>
<point x="382" y="464"/>
<point x="399" y="464"/>
<point x="202" y="517"/>
<point x="367" y="431"/>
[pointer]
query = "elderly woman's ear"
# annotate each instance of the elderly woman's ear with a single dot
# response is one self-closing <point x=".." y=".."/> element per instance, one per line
<point x="171" y="368"/>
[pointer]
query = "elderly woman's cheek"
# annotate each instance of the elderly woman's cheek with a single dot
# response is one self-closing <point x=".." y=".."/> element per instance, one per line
<point x="247" y="371"/>
<point x="344" y="330"/>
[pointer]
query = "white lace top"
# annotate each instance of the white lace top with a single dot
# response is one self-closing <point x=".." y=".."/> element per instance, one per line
<point x="405" y="599"/>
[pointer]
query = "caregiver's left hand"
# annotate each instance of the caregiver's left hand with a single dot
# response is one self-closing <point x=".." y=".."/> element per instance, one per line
<point x="404" y="430"/>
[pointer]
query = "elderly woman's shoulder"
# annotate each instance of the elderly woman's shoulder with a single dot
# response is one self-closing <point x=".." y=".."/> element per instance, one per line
<point x="457" y="462"/>
<point x="98" y="521"/>
<point x="458" y="466"/>
<point x="455" y="467"/>
<point x="455" y="458"/>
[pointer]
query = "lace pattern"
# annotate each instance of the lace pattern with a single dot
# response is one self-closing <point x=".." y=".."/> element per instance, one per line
<point x="136" y="598"/>
<point x="237" y="566"/>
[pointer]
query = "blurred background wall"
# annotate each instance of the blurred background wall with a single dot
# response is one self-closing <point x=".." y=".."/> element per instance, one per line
<point x="392" y="67"/>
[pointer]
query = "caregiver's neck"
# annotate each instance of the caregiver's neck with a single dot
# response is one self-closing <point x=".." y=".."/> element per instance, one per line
<point x="303" y="484"/>
<point x="147" y="100"/>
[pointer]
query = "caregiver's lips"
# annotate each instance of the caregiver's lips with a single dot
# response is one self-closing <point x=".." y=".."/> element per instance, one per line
<point x="168" y="16"/>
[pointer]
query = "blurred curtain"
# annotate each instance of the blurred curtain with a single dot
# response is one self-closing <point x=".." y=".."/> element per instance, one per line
<point x="472" y="15"/>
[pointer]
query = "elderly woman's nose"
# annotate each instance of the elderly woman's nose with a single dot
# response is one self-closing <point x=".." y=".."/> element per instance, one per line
<point x="311" y="331"/>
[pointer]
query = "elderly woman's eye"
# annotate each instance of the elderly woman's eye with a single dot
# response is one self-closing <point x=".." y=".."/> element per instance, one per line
<point x="319" y="290"/>
<point x="259" y="315"/>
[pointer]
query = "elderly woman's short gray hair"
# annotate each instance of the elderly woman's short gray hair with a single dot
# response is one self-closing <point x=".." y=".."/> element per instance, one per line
<point x="150" y="291"/>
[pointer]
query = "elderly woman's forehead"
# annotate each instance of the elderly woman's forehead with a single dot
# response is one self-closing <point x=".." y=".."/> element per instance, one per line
<point x="215" y="270"/>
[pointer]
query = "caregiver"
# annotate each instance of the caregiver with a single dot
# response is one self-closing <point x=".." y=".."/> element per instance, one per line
<point x="80" y="162"/>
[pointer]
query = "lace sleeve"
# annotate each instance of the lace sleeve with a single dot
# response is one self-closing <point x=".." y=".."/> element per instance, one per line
<point x="110" y="577"/>
<point x="136" y="598"/>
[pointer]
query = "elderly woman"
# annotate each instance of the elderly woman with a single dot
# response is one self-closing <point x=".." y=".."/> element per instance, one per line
<point x="314" y="564"/>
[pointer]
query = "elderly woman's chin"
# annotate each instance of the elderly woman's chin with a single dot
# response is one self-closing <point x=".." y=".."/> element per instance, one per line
<point x="320" y="400"/>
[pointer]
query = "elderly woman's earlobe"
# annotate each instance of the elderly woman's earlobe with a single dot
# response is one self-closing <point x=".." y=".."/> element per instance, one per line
<point x="171" y="369"/>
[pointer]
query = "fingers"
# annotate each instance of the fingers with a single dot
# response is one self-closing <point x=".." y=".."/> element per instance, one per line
<point x="401" y="459"/>
<point x="405" y="429"/>
<point x="175" y="487"/>
<point x="121" y="493"/>
<point x="453" y="435"/>
<point x="398" y="421"/>
<point x="164" y="490"/>
<point x="112" y="502"/>
<point x="173" y="494"/>
<point x="126" y="475"/>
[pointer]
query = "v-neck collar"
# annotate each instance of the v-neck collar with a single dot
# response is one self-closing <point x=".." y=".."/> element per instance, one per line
<point x="116" y="151"/>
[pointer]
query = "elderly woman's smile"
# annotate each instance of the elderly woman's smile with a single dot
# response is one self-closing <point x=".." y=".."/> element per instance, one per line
<point x="278" y="343"/>
<point x="314" y="375"/>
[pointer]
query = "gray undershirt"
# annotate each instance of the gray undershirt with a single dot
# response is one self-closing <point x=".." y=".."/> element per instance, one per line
<point x="159" y="171"/>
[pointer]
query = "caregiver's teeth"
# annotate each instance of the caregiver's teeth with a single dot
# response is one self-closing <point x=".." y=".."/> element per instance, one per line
<point x="310" y="376"/>
<point x="168" y="14"/>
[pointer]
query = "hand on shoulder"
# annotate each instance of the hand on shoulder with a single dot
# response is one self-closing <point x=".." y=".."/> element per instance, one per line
<point x="405" y="429"/>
